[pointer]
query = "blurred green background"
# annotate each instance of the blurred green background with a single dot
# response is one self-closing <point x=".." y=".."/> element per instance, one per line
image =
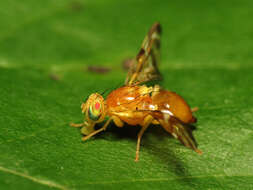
<point x="45" y="48"/>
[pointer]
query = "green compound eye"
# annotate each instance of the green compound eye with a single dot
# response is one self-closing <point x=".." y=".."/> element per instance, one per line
<point x="93" y="114"/>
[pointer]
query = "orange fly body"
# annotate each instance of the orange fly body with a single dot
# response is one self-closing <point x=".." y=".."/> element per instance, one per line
<point x="137" y="104"/>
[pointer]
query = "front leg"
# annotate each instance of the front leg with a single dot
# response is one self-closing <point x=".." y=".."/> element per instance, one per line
<point x="87" y="128"/>
<point x="77" y="124"/>
<point x="97" y="131"/>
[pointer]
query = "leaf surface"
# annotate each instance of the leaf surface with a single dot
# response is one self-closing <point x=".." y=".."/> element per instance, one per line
<point x="45" y="49"/>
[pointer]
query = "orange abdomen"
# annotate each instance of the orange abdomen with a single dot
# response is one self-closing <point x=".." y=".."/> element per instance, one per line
<point x="175" y="104"/>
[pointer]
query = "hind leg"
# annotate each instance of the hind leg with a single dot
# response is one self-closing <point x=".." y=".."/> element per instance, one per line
<point x="194" y="109"/>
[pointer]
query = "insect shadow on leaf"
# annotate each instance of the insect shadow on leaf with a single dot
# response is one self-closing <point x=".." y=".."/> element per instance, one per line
<point x="165" y="155"/>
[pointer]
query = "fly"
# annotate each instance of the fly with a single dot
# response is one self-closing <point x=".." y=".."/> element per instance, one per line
<point x="137" y="104"/>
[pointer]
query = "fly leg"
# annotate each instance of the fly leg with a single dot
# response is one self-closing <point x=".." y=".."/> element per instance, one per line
<point x="77" y="124"/>
<point x="97" y="131"/>
<point x="86" y="127"/>
<point x="194" y="109"/>
<point x="117" y="121"/>
<point x="147" y="121"/>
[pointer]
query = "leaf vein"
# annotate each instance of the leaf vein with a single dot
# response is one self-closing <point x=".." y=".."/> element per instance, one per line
<point x="164" y="179"/>
<point x="34" y="179"/>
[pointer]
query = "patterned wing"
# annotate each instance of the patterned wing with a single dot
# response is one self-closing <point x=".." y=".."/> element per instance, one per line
<point x="145" y="66"/>
<point x="179" y="131"/>
<point x="175" y="127"/>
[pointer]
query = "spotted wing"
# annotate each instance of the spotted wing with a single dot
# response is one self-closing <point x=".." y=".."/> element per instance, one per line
<point x="144" y="68"/>
<point x="175" y="127"/>
<point x="180" y="131"/>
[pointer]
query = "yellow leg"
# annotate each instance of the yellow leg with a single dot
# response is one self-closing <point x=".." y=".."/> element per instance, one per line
<point x="117" y="121"/>
<point x="155" y="122"/>
<point x="76" y="124"/>
<point x="88" y="128"/>
<point x="194" y="109"/>
<point x="97" y="131"/>
<point x="147" y="121"/>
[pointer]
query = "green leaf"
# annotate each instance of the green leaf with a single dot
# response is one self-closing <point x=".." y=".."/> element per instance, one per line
<point x="45" y="49"/>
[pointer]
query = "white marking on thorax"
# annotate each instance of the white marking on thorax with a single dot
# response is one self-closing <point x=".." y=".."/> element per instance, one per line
<point x="153" y="107"/>
<point x="130" y="98"/>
